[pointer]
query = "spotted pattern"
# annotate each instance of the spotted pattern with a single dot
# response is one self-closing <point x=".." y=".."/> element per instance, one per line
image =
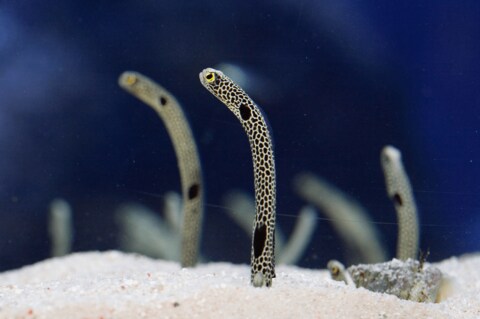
<point x="249" y="114"/>
<point x="400" y="192"/>
<point x="181" y="135"/>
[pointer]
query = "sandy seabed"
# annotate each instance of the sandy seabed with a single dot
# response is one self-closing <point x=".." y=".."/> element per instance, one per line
<point x="116" y="285"/>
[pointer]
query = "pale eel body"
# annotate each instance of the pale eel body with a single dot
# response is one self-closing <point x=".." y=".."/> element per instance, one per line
<point x="171" y="113"/>
<point x="60" y="227"/>
<point x="255" y="125"/>
<point x="400" y="192"/>
<point x="349" y="218"/>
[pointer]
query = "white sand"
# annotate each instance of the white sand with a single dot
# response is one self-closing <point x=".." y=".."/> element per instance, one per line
<point x="116" y="285"/>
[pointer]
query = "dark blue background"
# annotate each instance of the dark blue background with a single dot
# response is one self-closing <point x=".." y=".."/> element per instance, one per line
<point x="345" y="78"/>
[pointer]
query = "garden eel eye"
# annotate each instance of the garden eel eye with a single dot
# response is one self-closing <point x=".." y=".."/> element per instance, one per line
<point x="335" y="271"/>
<point x="210" y="77"/>
<point x="130" y="79"/>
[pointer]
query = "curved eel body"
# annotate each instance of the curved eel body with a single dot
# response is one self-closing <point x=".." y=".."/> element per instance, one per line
<point x="255" y="125"/>
<point x="171" y="113"/>
<point x="400" y="192"/>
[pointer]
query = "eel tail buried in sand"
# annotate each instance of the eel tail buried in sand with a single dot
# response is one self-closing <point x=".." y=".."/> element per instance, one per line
<point x="255" y="125"/>
<point x="177" y="126"/>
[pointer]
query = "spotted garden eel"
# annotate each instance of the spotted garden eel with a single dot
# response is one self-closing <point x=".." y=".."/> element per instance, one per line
<point x="255" y="125"/>
<point x="400" y="192"/>
<point x="177" y="126"/>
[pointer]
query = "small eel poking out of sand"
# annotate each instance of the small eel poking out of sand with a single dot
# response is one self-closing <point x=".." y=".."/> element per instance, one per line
<point x="255" y="125"/>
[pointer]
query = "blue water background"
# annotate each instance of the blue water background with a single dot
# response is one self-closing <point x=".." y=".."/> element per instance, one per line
<point x="339" y="79"/>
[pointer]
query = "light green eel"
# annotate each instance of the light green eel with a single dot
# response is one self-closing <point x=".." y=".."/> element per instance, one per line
<point x="171" y="113"/>
<point x="400" y="192"/>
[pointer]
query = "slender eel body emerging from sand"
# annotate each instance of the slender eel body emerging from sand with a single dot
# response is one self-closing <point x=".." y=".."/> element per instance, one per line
<point x="349" y="218"/>
<point x="255" y="125"/>
<point x="60" y="227"/>
<point x="400" y="192"/>
<point x="177" y="126"/>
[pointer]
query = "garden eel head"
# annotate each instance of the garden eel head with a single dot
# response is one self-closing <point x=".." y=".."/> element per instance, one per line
<point x="336" y="269"/>
<point x="128" y="79"/>
<point x="390" y="155"/>
<point x="212" y="80"/>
